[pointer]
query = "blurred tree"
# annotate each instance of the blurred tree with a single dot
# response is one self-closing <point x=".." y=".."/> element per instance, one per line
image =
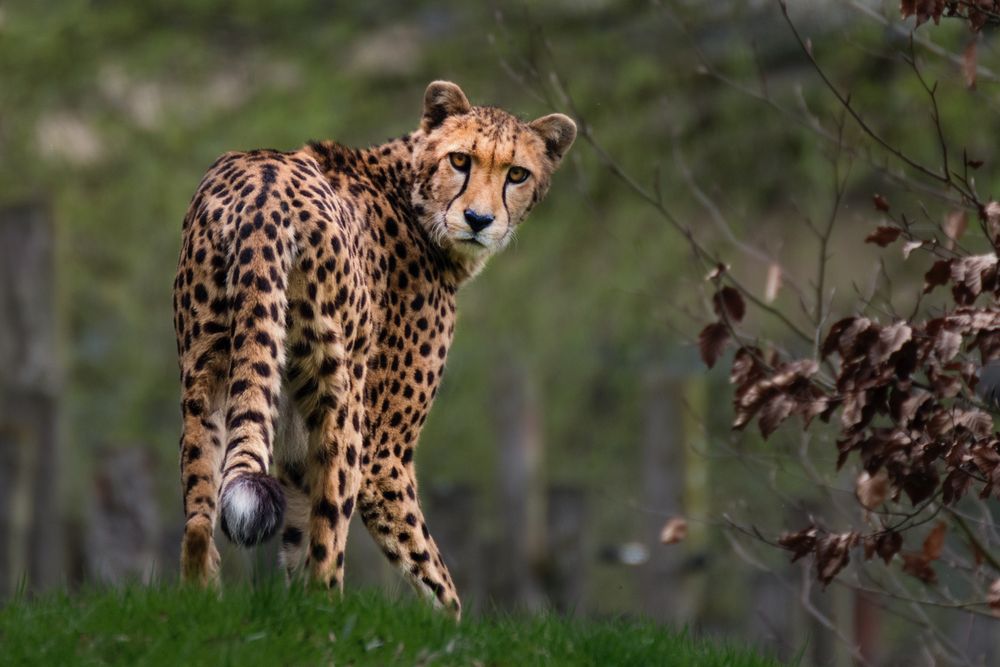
<point x="31" y="523"/>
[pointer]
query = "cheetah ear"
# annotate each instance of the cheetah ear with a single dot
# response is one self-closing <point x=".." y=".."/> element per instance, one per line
<point x="442" y="99"/>
<point x="558" y="132"/>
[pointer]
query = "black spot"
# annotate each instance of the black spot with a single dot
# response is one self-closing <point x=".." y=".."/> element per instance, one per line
<point x="327" y="510"/>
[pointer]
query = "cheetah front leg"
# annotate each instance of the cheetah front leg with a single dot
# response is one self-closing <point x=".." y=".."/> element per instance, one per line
<point x="391" y="511"/>
<point x="333" y="478"/>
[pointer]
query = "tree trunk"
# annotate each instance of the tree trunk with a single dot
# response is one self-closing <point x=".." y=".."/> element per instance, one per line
<point x="452" y="520"/>
<point x="662" y="492"/>
<point x="521" y="502"/>
<point x="123" y="527"/>
<point x="565" y="574"/>
<point x="30" y="520"/>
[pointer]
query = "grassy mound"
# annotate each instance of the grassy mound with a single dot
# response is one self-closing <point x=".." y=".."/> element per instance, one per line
<point x="274" y="626"/>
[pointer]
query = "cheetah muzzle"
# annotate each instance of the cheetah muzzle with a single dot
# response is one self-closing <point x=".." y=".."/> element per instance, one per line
<point x="314" y="306"/>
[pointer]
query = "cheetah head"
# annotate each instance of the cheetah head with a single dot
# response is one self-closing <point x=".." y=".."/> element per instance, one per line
<point x="479" y="171"/>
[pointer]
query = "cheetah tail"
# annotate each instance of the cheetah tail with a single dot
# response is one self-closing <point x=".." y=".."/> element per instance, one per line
<point x="252" y="503"/>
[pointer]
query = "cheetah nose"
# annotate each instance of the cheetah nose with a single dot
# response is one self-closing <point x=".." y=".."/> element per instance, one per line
<point x="477" y="221"/>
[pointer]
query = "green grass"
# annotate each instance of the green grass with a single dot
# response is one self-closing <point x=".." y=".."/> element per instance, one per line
<point x="274" y="626"/>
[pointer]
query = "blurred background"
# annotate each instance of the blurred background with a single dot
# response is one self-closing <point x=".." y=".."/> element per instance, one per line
<point x="576" y="417"/>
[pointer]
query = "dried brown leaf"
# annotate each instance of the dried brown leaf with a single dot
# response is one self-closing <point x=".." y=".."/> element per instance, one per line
<point x="888" y="545"/>
<point x="881" y="203"/>
<point x="993" y="597"/>
<point x="773" y="412"/>
<point x="883" y="235"/>
<point x="832" y="341"/>
<point x="920" y="484"/>
<point x="917" y="565"/>
<point x="746" y="366"/>
<point x="992" y="212"/>
<point x="773" y="283"/>
<point x="969" y="67"/>
<point x="853" y="411"/>
<point x="909" y="247"/>
<point x="939" y="274"/>
<point x="871" y="490"/>
<point x="890" y="339"/>
<point x="801" y="543"/>
<point x="729" y="301"/>
<point x="675" y="530"/>
<point x="968" y="273"/>
<point x="922" y="9"/>
<point x="947" y="343"/>
<point x="955" y="485"/>
<point x="717" y="271"/>
<point x="977" y="422"/>
<point x="954" y="226"/>
<point x="712" y="341"/>
<point x="905" y="406"/>
<point x="833" y="555"/>
<point x="934" y="542"/>
<point x="787" y="374"/>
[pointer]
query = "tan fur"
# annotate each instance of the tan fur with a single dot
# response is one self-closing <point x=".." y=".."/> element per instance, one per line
<point x="315" y="305"/>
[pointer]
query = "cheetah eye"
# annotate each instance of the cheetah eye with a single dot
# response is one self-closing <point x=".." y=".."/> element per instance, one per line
<point x="518" y="175"/>
<point x="459" y="161"/>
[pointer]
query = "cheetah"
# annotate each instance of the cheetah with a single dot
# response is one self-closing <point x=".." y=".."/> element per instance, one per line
<point x="314" y="305"/>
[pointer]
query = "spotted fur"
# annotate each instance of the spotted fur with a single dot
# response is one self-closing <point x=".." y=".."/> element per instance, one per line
<point x="314" y="306"/>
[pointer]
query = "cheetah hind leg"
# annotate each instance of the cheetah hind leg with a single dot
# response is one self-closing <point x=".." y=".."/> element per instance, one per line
<point x="290" y="449"/>
<point x="295" y="531"/>
<point x="200" y="454"/>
